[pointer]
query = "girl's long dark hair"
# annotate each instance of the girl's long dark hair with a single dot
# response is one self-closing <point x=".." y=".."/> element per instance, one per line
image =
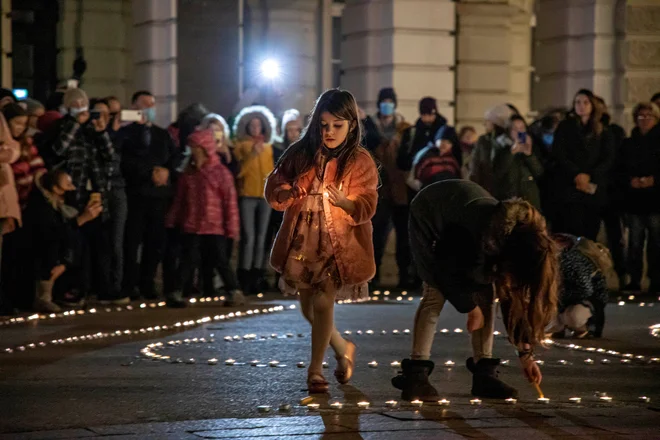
<point x="303" y="154"/>
<point x="528" y="272"/>
<point x="595" y="124"/>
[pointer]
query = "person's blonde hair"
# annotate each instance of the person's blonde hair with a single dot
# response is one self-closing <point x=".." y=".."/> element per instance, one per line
<point x="527" y="269"/>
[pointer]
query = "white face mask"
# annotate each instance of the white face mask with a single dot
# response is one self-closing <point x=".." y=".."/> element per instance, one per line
<point x="76" y="111"/>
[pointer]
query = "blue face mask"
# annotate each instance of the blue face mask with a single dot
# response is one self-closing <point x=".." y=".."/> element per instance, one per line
<point x="149" y="114"/>
<point x="386" y="108"/>
<point x="548" y="138"/>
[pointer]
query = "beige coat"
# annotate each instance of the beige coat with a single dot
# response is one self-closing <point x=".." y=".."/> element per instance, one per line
<point x="10" y="151"/>
<point x="351" y="235"/>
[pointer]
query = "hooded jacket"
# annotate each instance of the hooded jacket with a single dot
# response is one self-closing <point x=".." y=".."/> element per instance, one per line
<point x="205" y="200"/>
<point x="10" y="151"/>
<point x="350" y="235"/>
<point x="254" y="168"/>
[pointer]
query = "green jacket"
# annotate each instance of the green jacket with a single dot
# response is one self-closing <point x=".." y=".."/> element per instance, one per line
<point x="503" y="174"/>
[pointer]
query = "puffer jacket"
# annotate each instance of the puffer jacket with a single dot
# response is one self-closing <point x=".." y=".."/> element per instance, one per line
<point x="10" y="151"/>
<point x="254" y="168"/>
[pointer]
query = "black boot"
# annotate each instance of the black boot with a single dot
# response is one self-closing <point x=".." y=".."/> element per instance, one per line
<point x="243" y="276"/>
<point x="413" y="381"/>
<point x="485" y="382"/>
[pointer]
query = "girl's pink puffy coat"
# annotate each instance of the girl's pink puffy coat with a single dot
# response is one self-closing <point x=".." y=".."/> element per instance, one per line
<point x="351" y="235"/>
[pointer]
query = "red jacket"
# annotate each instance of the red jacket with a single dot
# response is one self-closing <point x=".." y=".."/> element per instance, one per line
<point x="26" y="169"/>
<point x="205" y="202"/>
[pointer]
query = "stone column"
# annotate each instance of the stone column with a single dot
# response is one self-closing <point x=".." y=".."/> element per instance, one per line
<point x="494" y="57"/>
<point x="405" y="44"/>
<point x="155" y="54"/>
<point x="288" y="32"/>
<point x="576" y="47"/>
<point x="640" y="56"/>
<point x="105" y="36"/>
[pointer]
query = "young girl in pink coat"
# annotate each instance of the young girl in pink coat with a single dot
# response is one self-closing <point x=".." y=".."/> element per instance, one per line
<point x="327" y="185"/>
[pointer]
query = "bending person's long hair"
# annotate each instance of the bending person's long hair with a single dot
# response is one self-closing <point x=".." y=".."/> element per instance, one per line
<point x="527" y="270"/>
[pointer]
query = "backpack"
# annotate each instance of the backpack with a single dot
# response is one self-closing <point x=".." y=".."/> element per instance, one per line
<point x="601" y="257"/>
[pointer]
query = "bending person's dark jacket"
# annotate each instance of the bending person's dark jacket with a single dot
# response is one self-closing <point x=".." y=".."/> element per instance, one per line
<point x="447" y="222"/>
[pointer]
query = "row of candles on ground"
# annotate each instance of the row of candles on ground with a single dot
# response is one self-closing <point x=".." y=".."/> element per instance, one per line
<point x="145" y="330"/>
<point x="309" y="403"/>
<point x="377" y="296"/>
<point x="626" y="358"/>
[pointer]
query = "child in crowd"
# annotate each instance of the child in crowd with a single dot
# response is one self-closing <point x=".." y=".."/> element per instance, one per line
<point x="30" y="164"/>
<point x="583" y="294"/>
<point x="434" y="163"/>
<point x="327" y="185"/>
<point x="206" y="210"/>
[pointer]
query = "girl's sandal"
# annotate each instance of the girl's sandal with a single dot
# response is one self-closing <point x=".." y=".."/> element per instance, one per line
<point x="343" y="375"/>
<point x="316" y="383"/>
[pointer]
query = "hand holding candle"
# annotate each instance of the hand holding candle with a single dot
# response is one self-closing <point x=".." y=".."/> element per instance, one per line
<point x="531" y="370"/>
<point x="337" y="198"/>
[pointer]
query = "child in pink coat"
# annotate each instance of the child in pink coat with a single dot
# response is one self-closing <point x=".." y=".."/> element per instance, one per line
<point x="206" y="209"/>
<point x="327" y="185"/>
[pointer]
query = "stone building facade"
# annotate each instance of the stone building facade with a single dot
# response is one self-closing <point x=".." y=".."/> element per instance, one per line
<point x="469" y="54"/>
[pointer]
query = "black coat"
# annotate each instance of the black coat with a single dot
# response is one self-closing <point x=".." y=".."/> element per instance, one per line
<point x="578" y="150"/>
<point x="139" y="160"/>
<point x="447" y="222"/>
<point x="640" y="157"/>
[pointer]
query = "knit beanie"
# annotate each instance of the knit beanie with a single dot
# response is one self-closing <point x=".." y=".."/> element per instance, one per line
<point x="499" y="115"/>
<point x="11" y="111"/>
<point x="428" y="106"/>
<point x="387" y="93"/>
<point x="32" y="105"/>
<point x="73" y="95"/>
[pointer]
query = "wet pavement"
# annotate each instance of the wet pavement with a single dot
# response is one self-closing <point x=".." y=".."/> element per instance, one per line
<point x="179" y="382"/>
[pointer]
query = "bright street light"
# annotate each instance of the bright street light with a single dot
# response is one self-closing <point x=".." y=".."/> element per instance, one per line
<point x="270" y="69"/>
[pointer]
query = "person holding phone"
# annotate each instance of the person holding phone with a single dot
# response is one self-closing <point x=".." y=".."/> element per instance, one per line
<point x="506" y="154"/>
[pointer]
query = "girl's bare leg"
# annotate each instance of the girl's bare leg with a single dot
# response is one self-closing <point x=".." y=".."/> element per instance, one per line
<point x="318" y="309"/>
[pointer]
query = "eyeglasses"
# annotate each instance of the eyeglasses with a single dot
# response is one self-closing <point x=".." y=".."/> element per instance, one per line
<point x="645" y="117"/>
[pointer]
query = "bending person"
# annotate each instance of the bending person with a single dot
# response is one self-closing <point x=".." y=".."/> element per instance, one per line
<point x="470" y="249"/>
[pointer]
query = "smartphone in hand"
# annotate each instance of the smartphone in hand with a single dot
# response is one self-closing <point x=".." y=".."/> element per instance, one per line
<point x="522" y="138"/>
<point x="131" y="115"/>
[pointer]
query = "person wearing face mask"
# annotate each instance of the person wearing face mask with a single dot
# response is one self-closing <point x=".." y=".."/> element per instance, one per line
<point x="54" y="228"/>
<point x="383" y="133"/>
<point x="148" y="163"/>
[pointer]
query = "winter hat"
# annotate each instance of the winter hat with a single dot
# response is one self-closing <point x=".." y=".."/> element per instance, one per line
<point x="214" y="117"/>
<point x="46" y="120"/>
<point x="289" y="116"/>
<point x="73" y="95"/>
<point x="499" y="115"/>
<point x="11" y="111"/>
<point x="387" y="93"/>
<point x="204" y="139"/>
<point x="32" y="105"/>
<point x="428" y="106"/>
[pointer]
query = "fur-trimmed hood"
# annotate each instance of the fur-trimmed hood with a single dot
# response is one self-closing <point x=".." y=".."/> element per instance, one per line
<point x="244" y="117"/>
<point x="214" y="117"/>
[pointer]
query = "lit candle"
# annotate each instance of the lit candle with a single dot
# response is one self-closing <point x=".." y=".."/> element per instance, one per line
<point x="631" y="297"/>
<point x="285" y="407"/>
<point x="539" y="362"/>
<point x="300" y="365"/>
<point x="605" y="399"/>
<point x="450" y="364"/>
<point x="605" y="361"/>
<point x="622" y="303"/>
<point x="575" y="399"/>
<point x="645" y="399"/>
<point x="263" y="408"/>
<point x="383" y="332"/>
<point x="336" y="405"/>
<point x="370" y="332"/>
<point x="363" y="405"/>
<point x="625" y="361"/>
<point x="359" y="332"/>
<point x="348" y="332"/>
<point x="391" y="403"/>
<point x="443" y="402"/>
<point x="562" y="362"/>
<point x="395" y="332"/>
<point x="273" y="363"/>
<point x="589" y="361"/>
<point x="313" y="406"/>
<point x="511" y="401"/>
<point x="496" y="333"/>
<point x="475" y="401"/>
<point x="387" y="292"/>
<point x="458" y="330"/>
<point x="444" y="330"/>
<point x="325" y="365"/>
<point x="406" y="331"/>
<point x="410" y="298"/>
<point x="230" y="362"/>
<point x="395" y="364"/>
<point x="213" y="361"/>
<point x="399" y="298"/>
<point x="190" y="361"/>
<point x="254" y="363"/>
<point x="418" y="403"/>
<point x="373" y="364"/>
<point x="543" y="400"/>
